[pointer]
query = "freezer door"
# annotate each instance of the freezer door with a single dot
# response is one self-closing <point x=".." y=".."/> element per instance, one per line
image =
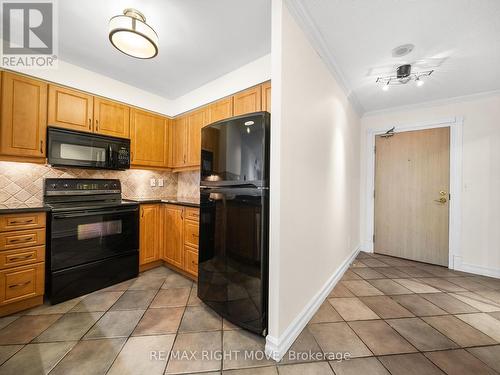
<point x="233" y="256"/>
<point x="236" y="151"/>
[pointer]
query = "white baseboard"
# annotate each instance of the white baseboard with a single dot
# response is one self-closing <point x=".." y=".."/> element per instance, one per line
<point x="459" y="265"/>
<point x="276" y="347"/>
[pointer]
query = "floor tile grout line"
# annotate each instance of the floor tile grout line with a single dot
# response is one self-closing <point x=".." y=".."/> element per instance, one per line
<point x="109" y="309"/>
<point x="176" y="335"/>
<point x="147" y="308"/>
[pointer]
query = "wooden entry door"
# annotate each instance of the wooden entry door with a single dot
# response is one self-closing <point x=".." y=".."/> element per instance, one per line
<point x="412" y="179"/>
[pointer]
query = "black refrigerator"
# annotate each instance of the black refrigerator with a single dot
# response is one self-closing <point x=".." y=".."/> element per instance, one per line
<point x="234" y="219"/>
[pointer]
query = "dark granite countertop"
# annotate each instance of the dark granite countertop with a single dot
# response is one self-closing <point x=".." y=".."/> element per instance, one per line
<point x="6" y="209"/>
<point x="190" y="202"/>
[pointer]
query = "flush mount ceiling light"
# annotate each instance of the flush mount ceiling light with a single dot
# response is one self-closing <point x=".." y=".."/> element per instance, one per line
<point x="130" y="34"/>
<point x="402" y="77"/>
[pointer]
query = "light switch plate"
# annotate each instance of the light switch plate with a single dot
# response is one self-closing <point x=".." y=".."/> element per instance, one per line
<point x="152" y="182"/>
<point x="160" y="182"/>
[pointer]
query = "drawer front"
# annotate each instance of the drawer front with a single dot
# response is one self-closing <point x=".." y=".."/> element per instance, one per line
<point x="32" y="220"/>
<point x="21" y="282"/>
<point x="21" y="257"/>
<point x="192" y="214"/>
<point x="191" y="233"/>
<point x="191" y="260"/>
<point x="22" y="238"/>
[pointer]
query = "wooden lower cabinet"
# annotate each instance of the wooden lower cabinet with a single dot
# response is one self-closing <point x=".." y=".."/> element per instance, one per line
<point x="20" y="283"/>
<point x="149" y="233"/>
<point x="173" y="235"/>
<point x="180" y="238"/>
<point x="191" y="260"/>
<point x="22" y="261"/>
<point x="169" y="233"/>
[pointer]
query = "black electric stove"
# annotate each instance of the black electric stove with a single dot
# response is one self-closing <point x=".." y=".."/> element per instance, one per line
<point x="93" y="236"/>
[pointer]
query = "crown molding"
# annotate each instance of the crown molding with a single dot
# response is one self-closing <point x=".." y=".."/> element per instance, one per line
<point x="433" y="103"/>
<point x="305" y="21"/>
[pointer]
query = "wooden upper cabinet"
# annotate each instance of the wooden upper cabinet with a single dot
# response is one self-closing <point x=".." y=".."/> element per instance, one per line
<point x="178" y="142"/>
<point x="266" y="96"/>
<point x="148" y="139"/>
<point x="194" y="122"/>
<point x="70" y="109"/>
<point x="24" y="116"/>
<point x="149" y="239"/>
<point x="220" y="110"/>
<point x="247" y="101"/>
<point x="174" y="235"/>
<point x="111" y="118"/>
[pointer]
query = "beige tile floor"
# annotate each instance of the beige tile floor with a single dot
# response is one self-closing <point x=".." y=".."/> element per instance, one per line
<point x="391" y="315"/>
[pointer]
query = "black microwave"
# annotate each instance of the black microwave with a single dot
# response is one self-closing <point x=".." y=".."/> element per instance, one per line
<point x="68" y="148"/>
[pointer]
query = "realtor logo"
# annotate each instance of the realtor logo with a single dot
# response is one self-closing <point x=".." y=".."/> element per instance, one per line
<point x="28" y="34"/>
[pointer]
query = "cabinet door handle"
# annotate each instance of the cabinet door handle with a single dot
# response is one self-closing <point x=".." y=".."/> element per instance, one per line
<point x="22" y="222"/>
<point x="12" y="259"/>
<point x="17" y="240"/>
<point x="90" y="124"/>
<point x="19" y="285"/>
<point x="131" y="156"/>
<point x="142" y="212"/>
<point x="41" y="147"/>
<point x="96" y="125"/>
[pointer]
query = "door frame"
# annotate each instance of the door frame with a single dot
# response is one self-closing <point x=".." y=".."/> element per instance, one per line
<point x="455" y="219"/>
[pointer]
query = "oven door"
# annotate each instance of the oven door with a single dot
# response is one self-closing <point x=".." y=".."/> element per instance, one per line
<point x="80" y="237"/>
<point x="76" y="149"/>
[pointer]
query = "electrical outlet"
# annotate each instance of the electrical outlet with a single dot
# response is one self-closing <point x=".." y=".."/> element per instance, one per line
<point x="152" y="182"/>
<point x="160" y="182"/>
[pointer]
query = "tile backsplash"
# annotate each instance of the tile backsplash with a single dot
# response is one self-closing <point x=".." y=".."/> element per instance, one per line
<point x="21" y="184"/>
<point x="188" y="184"/>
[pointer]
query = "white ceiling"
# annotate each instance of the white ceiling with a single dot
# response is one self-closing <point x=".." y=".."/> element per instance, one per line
<point x="358" y="36"/>
<point x="200" y="40"/>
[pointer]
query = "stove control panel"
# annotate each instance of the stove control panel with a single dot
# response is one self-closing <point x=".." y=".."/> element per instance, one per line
<point x="79" y="186"/>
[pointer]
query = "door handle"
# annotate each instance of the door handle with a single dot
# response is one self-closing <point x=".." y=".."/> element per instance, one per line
<point x="96" y="125"/>
<point x="442" y="200"/>
<point x="90" y="124"/>
<point x="41" y="147"/>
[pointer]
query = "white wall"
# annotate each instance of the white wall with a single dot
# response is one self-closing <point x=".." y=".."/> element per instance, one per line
<point x="315" y="180"/>
<point x="480" y="237"/>
<point x="83" y="79"/>
<point x="246" y="76"/>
